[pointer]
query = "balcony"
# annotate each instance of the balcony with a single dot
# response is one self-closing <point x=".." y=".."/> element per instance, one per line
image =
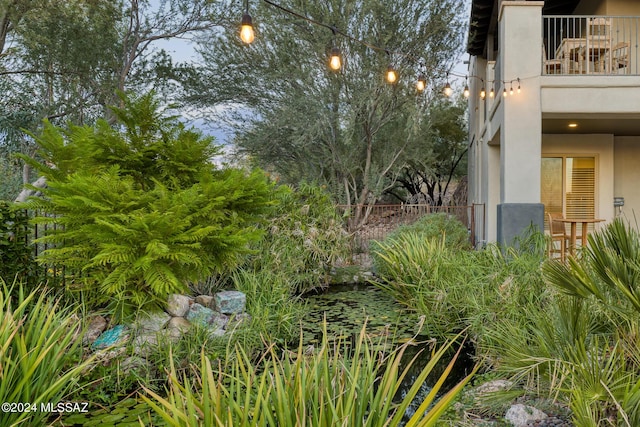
<point x="590" y="45"/>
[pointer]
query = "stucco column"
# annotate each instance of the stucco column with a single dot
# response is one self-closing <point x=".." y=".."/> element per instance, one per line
<point x="520" y="44"/>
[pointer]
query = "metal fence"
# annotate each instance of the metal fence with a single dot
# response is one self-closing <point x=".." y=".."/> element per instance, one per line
<point x="381" y="220"/>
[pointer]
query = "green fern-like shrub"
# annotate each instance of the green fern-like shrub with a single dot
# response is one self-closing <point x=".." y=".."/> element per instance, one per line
<point x="139" y="210"/>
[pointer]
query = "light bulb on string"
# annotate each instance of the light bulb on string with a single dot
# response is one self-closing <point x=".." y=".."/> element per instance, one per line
<point x="391" y="75"/>
<point x="483" y="93"/>
<point x="518" y="85"/>
<point x="421" y="84"/>
<point x="504" y="92"/>
<point x="247" y="34"/>
<point x="335" y="59"/>
<point x="492" y="93"/>
<point x="511" y="90"/>
<point x="447" y="90"/>
<point x="466" y="92"/>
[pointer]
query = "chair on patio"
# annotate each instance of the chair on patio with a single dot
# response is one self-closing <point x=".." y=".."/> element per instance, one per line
<point x="620" y="58"/>
<point x="558" y="234"/>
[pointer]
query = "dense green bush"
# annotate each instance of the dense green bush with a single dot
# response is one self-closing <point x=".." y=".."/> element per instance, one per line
<point x="140" y="209"/>
<point x="16" y="254"/>
<point x="303" y="238"/>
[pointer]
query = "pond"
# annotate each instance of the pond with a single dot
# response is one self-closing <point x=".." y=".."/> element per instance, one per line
<point x="346" y="307"/>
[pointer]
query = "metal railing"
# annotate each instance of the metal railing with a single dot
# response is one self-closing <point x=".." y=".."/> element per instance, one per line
<point x="589" y="45"/>
<point x="384" y="219"/>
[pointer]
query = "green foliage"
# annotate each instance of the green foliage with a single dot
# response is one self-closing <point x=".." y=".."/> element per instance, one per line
<point x="16" y="254"/>
<point x="609" y="268"/>
<point x="139" y="208"/>
<point x="38" y="355"/>
<point x="303" y="238"/>
<point x="456" y="288"/>
<point x="362" y="127"/>
<point x="11" y="179"/>
<point x="336" y="385"/>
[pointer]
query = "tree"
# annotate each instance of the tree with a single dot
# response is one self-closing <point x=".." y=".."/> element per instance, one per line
<point x="66" y="60"/>
<point x="138" y="208"/>
<point x="349" y="130"/>
<point x="437" y="157"/>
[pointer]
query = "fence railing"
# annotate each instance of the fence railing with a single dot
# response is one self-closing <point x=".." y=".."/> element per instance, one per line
<point x="590" y="45"/>
<point x="384" y="219"/>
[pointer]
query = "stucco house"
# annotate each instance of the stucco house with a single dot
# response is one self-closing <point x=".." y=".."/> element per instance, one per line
<point x="569" y="142"/>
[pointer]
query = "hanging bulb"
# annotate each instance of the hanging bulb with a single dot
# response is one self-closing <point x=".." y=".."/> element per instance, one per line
<point x="518" y="87"/>
<point x="335" y="60"/>
<point x="504" y="92"/>
<point x="466" y="92"/>
<point x="492" y="93"/>
<point x="511" y="91"/>
<point x="421" y="84"/>
<point x="483" y="93"/>
<point x="447" y="90"/>
<point x="246" y="29"/>
<point x="392" y="75"/>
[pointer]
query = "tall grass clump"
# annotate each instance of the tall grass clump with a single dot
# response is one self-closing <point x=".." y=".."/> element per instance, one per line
<point x="39" y="353"/>
<point x="339" y="384"/>
<point x="275" y="312"/>
<point x="455" y="287"/>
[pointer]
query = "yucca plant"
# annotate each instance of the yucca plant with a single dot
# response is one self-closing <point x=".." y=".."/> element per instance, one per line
<point x="39" y="353"/>
<point x="338" y="384"/>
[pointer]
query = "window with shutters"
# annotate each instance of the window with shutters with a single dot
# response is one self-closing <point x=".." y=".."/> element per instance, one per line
<point x="568" y="186"/>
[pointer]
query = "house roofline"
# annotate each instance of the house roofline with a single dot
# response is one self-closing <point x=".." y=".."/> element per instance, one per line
<point x="483" y="20"/>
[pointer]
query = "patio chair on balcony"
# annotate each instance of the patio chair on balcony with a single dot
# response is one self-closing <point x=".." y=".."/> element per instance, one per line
<point x="551" y="65"/>
<point x="620" y="58"/>
<point x="559" y="236"/>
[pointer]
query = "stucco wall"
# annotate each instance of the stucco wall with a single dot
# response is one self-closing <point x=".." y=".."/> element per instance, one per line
<point x="600" y="146"/>
<point x="627" y="174"/>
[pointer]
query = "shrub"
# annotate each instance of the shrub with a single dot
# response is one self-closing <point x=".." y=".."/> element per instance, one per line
<point x="336" y="385"/>
<point x="303" y="238"/>
<point x="38" y="354"/>
<point x="138" y="207"/>
<point x="437" y="226"/>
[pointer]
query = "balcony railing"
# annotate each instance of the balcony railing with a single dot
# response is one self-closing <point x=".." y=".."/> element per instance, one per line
<point x="588" y="45"/>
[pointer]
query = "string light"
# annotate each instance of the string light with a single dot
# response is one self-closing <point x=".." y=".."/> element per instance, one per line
<point x="247" y="35"/>
<point x="421" y="84"/>
<point x="392" y="75"/>
<point x="335" y="59"/>
<point x="447" y="90"/>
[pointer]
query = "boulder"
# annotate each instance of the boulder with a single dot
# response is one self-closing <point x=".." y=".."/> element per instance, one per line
<point x="151" y="322"/>
<point x="114" y="336"/>
<point x="204" y="300"/>
<point x="237" y="320"/>
<point x="179" y="323"/>
<point x="199" y="315"/>
<point x="97" y="325"/>
<point x="178" y="305"/>
<point x="218" y="320"/>
<point x="520" y="415"/>
<point x="230" y="302"/>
